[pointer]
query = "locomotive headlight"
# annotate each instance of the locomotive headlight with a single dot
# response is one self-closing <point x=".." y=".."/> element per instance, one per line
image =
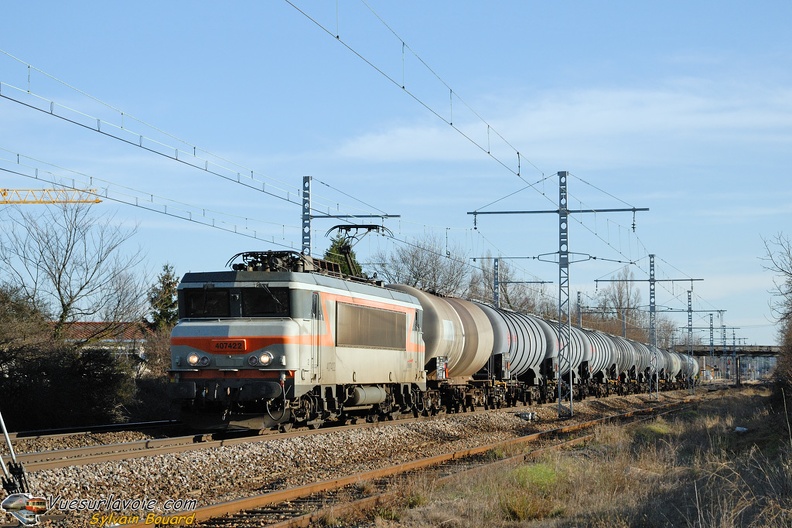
<point x="265" y="359"/>
<point x="203" y="362"/>
<point x="193" y="359"/>
<point x="262" y="360"/>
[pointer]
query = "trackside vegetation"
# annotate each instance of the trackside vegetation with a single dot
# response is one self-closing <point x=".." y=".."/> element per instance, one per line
<point x="726" y="463"/>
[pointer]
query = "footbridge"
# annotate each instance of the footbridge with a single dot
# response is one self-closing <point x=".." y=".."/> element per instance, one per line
<point x="752" y="362"/>
<point x="734" y="350"/>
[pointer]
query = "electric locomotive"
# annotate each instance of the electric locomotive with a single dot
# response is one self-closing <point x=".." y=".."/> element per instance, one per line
<point x="281" y="339"/>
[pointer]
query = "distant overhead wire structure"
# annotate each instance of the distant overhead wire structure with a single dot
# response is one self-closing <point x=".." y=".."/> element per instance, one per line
<point x="487" y="137"/>
<point x="168" y="146"/>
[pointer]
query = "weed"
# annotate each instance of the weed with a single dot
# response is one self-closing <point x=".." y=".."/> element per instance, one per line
<point x="539" y="478"/>
<point x="692" y="470"/>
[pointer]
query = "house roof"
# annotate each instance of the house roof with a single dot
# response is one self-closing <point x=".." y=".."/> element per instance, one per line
<point x="106" y="331"/>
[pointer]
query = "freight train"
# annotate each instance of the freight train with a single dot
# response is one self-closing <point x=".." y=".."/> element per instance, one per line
<point x="283" y="339"/>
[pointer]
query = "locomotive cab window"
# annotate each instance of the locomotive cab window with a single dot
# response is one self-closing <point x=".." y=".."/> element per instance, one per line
<point x="264" y="301"/>
<point x="200" y="302"/>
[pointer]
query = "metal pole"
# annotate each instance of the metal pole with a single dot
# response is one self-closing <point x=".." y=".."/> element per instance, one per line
<point x="306" y="216"/>
<point x="496" y="282"/>
<point x="10" y="448"/>
<point x="7" y="439"/>
<point x="654" y="375"/>
<point x="564" y="328"/>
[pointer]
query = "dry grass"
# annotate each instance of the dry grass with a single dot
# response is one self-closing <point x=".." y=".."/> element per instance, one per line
<point x="691" y="470"/>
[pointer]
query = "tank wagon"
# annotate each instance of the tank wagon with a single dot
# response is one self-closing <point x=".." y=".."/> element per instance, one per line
<point x="282" y="339"/>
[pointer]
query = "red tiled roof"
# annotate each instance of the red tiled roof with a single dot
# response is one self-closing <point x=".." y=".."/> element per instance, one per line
<point x="80" y="331"/>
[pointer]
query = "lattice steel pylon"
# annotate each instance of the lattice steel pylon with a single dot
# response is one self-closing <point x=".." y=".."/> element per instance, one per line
<point x="564" y="327"/>
<point x="48" y="196"/>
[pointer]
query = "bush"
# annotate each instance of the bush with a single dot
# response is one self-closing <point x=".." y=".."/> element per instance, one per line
<point x="63" y="387"/>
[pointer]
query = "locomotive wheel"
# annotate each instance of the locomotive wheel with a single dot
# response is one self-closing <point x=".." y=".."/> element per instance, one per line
<point x="305" y="410"/>
<point x="285" y="427"/>
<point x="419" y="404"/>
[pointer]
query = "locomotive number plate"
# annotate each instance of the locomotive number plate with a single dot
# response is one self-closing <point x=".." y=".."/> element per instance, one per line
<point x="228" y="345"/>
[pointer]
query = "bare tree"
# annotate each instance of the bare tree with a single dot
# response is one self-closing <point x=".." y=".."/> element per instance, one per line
<point x="426" y="264"/>
<point x="619" y="303"/>
<point x="665" y="330"/>
<point x="514" y="295"/>
<point x="69" y="264"/>
<point x="22" y="327"/>
<point x="778" y="259"/>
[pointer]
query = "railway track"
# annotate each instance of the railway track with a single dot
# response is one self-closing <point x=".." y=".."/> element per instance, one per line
<point x="312" y="503"/>
<point x="52" y="459"/>
<point x="46" y="434"/>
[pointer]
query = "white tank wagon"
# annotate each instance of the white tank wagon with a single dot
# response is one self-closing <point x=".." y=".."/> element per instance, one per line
<point x="576" y="351"/>
<point x="671" y="376"/>
<point x="597" y="370"/>
<point x="690" y="367"/>
<point x="659" y="358"/>
<point x="603" y="354"/>
<point x="673" y="365"/>
<point x="478" y="334"/>
<point x="642" y="360"/>
<point x="525" y="350"/>
<point x="527" y="342"/>
<point x="443" y="333"/>
<point x="624" y="358"/>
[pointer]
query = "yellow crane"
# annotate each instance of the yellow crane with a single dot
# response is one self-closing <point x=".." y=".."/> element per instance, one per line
<point x="47" y="196"/>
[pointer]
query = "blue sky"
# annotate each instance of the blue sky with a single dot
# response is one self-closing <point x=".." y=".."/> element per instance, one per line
<point x="681" y="107"/>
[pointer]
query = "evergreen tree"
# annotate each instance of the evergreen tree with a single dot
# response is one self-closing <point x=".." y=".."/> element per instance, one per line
<point x="164" y="311"/>
<point x="335" y="253"/>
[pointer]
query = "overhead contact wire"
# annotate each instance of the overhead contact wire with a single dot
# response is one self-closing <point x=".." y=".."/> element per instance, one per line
<point x="404" y="88"/>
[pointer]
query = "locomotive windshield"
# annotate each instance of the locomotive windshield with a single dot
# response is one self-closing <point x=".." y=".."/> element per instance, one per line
<point x="260" y="301"/>
<point x="206" y="303"/>
<point x="265" y="301"/>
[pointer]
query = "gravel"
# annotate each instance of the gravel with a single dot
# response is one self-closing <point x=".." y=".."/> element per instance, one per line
<point x="221" y="474"/>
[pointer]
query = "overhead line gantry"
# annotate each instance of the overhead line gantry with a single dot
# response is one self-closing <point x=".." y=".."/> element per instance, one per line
<point x="307" y="216"/>
<point x="654" y="388"/>
<point x="564" y="316"/>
